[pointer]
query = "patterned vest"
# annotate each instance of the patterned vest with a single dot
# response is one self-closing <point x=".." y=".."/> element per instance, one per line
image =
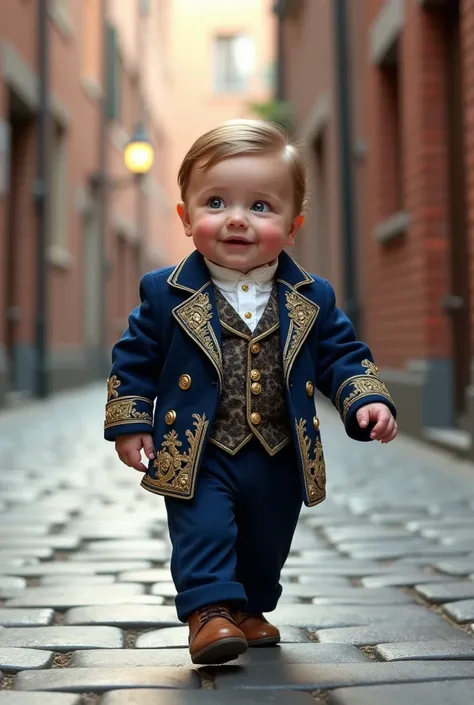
<point x="253" y="397"/>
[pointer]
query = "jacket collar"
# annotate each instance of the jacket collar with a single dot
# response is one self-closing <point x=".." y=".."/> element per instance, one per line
<point x="191" y="274"/>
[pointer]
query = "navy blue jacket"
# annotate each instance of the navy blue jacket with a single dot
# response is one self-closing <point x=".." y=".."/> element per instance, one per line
<point x="167" y="371"/>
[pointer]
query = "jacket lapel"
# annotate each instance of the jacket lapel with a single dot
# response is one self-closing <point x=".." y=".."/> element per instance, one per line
<point x="297" y="313"/>
<point x="197" y="315"/>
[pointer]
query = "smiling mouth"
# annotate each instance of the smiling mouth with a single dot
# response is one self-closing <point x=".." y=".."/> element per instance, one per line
<point x="236" y="241"/>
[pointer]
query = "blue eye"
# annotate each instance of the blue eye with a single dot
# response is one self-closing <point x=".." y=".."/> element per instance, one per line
<point x="260" y="207"/>
<point x="215" y="203"/>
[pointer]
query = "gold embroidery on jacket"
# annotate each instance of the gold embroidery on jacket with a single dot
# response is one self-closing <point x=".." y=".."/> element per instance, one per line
<point x="314" y="468"/>
<point x="195" y="316"/>
<point x="302" y="314"/>
<point x="176" y="469"/>
<point x="113" y="383"/>
<point x="362" y="386"/>
<point x="123" y="411"/>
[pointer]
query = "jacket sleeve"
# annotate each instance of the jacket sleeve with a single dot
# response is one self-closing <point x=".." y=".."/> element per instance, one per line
<point x="136" y="365"/>
<point x="347" y="374"/>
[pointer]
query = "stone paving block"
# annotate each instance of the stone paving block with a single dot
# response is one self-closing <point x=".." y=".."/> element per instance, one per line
<point x="70" y="567"/>
<point x="320" y="581"/>
<point x="203" y="697"/>
<point x="126" y="555"/>
<point x="62" y="639"/>
<point x="75" y="580"/>
<point x="155" y="575"/>
<point x="320" y="616"/>
<point x="24" y="552"/>
<point x="364" y="596"/>
<point x="461" y="611"/>
<point x="447" y="592"/>
<point x="177" y="638"/>
<point x="14" y="659"/>
<point x="97" y="529"/>
<point x="169" y="590"/>
<point x="418" y="554"/>
<point x="459" y="566"/>
<point x="24" y="530"/>
<point x="407" y="579"/>
<point x="455" y="649"/>
<point x="124" y="615"/>
<point x="8" y="697"/>
<point x="387" y="632"/>
<point x="25" y="617"/>
<point x="355" y="533"/>
<point x="306" y="677"/>
<point x="59" y="598"/>
<point x="125" y="545"/>
<point x="349" y="569"/>
<point x="58" y="542"/>
<point x="439" y="693"/>
<point x="287" y="653"/>
<point x="395" y="517"/>
<point x="98" y="680"/>
<point x="9" y="585"/>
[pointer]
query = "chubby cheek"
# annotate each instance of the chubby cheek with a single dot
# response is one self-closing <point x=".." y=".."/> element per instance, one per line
<point x="271" y="236"/>
<point x="206" y="227"/>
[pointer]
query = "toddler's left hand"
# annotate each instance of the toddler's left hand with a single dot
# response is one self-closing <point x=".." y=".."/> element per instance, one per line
<point x="385" y="429"/>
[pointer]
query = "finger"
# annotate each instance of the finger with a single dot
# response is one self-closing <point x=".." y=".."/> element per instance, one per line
<point x="381" y="425"/>
<point x="389" y="438"/>
<point x="134" y="459"/>
<point x="363" y="417"/>
<point x="388" y="428"/>
<point x="148" y="447"/>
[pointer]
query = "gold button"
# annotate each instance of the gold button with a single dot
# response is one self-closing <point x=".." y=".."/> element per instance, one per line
<point x="255" y="348"/>
<point x="309" y="389"/>
<point x="316" y="423"/>
<point x="170" y="417"/>
<point x="245" y="287"/>
<point x="248" y="315"/>
<point x="184" y="382"/>
<point x="255" y="375"/>
<point x="255" y="418"/>
<point x="256" y="387"/>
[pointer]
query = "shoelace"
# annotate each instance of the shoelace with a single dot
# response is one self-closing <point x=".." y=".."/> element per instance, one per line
<point x="213" y="612"/>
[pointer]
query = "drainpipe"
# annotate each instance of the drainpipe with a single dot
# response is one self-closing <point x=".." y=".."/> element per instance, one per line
<point x="346" y="173"/>
<point x="279" y="8"/>
<point x="103" y="365"/>
<point x="41" y="193"/>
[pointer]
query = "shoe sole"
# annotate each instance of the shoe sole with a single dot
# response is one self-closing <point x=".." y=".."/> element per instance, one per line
<point x="221" y="651"/>
<point x="269" y="641"/>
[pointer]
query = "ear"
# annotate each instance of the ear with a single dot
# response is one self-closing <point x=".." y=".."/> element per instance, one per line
<point x="294" y="227"/>
<point x="184" y="215"/>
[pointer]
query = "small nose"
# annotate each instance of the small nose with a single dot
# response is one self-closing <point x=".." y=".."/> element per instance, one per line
<point x="236" y="219"/>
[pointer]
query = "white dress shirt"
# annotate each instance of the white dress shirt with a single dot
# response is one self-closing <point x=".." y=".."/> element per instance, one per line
<point x="248" y="294"/>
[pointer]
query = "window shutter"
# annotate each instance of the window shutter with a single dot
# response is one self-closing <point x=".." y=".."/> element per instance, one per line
<point x="113" y="77"/>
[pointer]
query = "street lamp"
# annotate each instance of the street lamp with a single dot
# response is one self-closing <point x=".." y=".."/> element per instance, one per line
<point x="139" y="154"/>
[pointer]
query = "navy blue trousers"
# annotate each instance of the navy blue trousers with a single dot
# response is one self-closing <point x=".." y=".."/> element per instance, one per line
<point x="231" y="540"/>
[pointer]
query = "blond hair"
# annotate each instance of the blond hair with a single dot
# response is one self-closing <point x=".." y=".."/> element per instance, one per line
<point x="239" y="137"/>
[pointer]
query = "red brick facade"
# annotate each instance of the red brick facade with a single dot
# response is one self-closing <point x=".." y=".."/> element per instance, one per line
<point x="412" y="156"/>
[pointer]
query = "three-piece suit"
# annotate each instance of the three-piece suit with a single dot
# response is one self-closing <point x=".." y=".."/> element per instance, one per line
<point x="232" y="412"/>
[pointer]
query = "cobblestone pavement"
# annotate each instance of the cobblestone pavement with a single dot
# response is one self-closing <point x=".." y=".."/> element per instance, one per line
<point x="378" y="602"/>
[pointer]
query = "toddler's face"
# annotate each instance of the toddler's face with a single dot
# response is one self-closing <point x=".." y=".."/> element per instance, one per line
<point x="240" y="212"/>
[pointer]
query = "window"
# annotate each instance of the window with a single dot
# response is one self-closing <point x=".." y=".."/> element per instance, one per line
<point x="234" y="63"/>
<point x="91" y="39"/>
<point x="114" y="75"/>
<point x="58" y="185"/>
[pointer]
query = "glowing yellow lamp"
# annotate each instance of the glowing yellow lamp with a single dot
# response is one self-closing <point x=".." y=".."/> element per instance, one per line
<point x="139" y="153"/>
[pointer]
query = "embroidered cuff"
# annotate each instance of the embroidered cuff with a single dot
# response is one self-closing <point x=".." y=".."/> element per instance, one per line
<point x="355" y="388"/>
<point x="128" y="410"/>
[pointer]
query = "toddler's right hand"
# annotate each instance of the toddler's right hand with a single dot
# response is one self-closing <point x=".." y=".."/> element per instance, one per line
<point x="128" y="449"/>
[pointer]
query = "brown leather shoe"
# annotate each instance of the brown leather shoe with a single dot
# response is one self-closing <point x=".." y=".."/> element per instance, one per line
<point x="256" y="629"/>
<point x="214" y="636"/>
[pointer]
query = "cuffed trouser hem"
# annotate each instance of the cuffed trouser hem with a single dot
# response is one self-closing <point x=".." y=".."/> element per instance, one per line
<point x="263" y="603"/>
<point x="232" y="594"/>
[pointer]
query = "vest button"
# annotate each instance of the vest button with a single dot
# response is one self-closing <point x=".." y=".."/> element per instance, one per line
<point x="256" y="387"/>
<point x="316" y="423"/>
<point x="170" y="417"/>
<point x="255" y="418"/>
<point x="245" y="287"/>
<point x="255" y="348"/>
<point x="248" y="315"/>
<point x="184" y="382"/>
<point x="255" y="375"/>
<point x="309" y="389"/>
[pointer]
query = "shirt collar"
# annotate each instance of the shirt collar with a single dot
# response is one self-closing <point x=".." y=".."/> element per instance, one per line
<point x="228" y="279"/>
